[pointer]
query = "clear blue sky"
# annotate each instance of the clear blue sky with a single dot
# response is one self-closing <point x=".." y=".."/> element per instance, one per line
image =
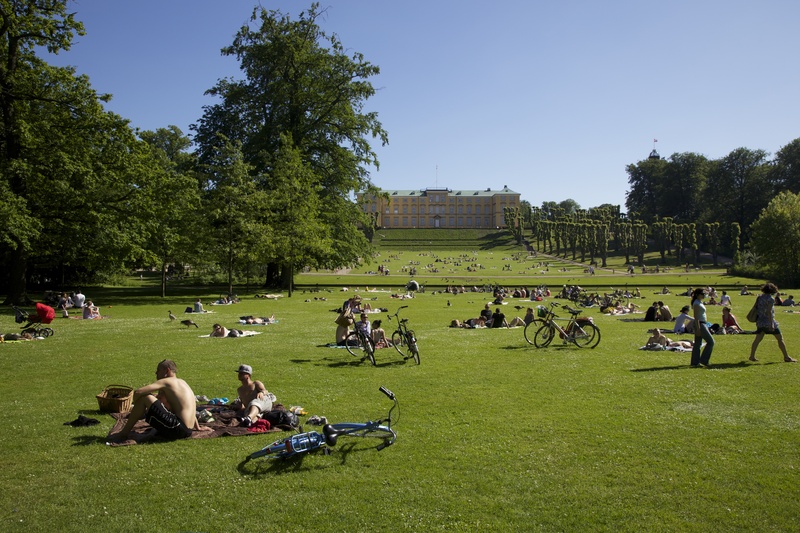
<point x="553" y="99"/>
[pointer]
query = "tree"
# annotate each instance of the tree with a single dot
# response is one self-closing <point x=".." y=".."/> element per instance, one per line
<point x="236" y="209"/>
<point x="24" y="26"/>
<point x="173" y="223"/>
<point x="786" y="173"/>
<point x="299" y="82"/>
<point x="647" y="183"/>
<point x="298" y="235"/>
<point x="775" y="237"/>
<point x="738" y="187"/>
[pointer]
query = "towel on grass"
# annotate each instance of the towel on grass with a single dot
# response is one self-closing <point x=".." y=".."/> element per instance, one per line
<point x="659" y="348"/>
<point x="244" y="334"/>
<point x="224" y="424"/>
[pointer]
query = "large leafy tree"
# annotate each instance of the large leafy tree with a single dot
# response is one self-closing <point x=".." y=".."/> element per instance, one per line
<point x="301" y="83"/>
<point x="24" y="26"/>
<point x="738" y="187"/>
<point x="173" y="222"/>
<point x="297" y="233"/>
<point x="236" y="209"/>
<point x="775" y="237"/>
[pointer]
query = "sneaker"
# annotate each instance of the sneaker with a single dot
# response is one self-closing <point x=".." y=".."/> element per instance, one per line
<point x="246" y="422"/>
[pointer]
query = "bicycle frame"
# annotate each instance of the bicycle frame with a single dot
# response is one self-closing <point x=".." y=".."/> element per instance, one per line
<point x="585" y="335"/>
<point x="403" y="337"/>
<point x="312" y="440"/>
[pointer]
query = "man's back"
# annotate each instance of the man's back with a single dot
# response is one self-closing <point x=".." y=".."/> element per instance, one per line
<point x="180" y="399"/>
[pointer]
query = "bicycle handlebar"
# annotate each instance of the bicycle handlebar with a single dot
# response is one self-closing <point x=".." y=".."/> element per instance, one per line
<point x="387" y="392"/>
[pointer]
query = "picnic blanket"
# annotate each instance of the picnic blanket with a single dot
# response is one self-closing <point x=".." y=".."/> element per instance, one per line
<point x="224" y="424"/>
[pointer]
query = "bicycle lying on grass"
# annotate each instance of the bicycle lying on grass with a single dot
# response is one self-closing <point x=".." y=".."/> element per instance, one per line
<point x="312" y="440"/>
<point x="579" y="331"/>
<point x="404" y="340"/>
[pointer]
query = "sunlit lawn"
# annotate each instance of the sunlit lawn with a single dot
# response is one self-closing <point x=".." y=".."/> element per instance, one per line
<point x="493" y="435"/>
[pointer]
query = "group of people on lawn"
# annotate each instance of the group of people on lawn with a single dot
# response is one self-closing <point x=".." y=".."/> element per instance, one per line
<point x="169" y="405"/>
<point x="698" y="324"/>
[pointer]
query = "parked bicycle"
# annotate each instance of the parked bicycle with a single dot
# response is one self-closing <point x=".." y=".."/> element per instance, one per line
<point x="404" y="339"/>
<point x="533" y="326"/>
<point x="359" y="344"/>
<point x="312" y="440"/>
<point x="580" y="331"/>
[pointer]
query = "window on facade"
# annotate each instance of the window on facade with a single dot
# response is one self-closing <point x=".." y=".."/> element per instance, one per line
<point x="469" y="221"/>
<point x="405" y="209"/>
<point x="405" y="222"/>
<point x="451" y="222"/>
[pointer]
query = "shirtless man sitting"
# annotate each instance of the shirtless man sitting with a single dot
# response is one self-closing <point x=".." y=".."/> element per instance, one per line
<point x="168" y="405"/>
<point x="254" y="398"/>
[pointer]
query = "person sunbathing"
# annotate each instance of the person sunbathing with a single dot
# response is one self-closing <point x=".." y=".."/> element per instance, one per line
<point x="258" y="320"/>
<point x="659" y="339"/>
<point x="219" y="331"/>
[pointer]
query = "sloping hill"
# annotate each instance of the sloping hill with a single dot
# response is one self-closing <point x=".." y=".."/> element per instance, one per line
<point x="444" y="239"/>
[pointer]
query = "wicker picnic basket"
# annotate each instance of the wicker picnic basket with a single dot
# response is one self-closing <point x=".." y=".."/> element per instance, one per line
<point x="115" y="399"/>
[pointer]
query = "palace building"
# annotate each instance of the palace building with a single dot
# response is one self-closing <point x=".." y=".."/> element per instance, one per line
<point x="440" y="208"/>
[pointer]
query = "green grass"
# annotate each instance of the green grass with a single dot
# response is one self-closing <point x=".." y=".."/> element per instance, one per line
<point x="493" y="435"/>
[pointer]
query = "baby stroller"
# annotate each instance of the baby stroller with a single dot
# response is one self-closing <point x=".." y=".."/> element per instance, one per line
<point x="44" y="315"/>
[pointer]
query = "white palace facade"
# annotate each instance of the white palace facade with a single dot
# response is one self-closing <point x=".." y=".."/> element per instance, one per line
<point x="440" y="208"/>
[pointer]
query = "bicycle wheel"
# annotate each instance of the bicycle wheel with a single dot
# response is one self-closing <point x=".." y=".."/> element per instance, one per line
<point x="355" y="344"/>
<point x="47" y="332"/>
<point x="399" y="342"/>
<point x="586" y="336"/>
<point x="369" y="349"/>
<point x="544" y="336"/>
<point x="532" y="327"/>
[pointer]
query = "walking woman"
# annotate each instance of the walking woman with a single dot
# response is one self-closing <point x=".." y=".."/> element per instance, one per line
<point x="701" y="331"/>
<point x="766" y="323"/>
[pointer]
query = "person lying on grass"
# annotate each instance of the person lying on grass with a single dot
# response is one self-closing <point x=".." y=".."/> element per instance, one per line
<point x="659" y="339"/>
<point x="168" y="405"/>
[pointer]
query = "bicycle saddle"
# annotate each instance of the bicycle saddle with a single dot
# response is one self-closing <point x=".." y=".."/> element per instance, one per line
<point x="331" y="435"/>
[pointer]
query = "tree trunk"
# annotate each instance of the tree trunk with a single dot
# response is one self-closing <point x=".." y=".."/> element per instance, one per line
<point x="17" y="277"/>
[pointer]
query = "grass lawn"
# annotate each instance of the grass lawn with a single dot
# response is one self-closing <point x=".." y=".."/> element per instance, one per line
<point x="493" y="434"/>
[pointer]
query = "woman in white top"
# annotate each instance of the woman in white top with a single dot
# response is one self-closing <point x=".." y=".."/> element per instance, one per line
<point x="701" y="331"/>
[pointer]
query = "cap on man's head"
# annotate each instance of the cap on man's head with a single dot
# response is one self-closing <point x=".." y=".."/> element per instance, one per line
<point x="247" y="369"/>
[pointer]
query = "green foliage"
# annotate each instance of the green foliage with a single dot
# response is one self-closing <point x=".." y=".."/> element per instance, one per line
<point x="776" y="238"/>
<point x="300" y="84"/>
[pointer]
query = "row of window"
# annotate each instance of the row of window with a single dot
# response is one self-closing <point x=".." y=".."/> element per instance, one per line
<point x="437" y="210"/>
<point x="436" y="222"/>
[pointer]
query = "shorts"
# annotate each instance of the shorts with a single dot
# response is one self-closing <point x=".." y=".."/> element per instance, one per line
<point x="769" y="331"/>
<point x="167" y="424"/>
<point x="263" y="404"/>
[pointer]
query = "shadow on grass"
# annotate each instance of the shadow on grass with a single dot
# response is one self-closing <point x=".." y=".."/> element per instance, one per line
<point x="88" y="440"/>
<point x="316" y="460"/>
<point x="720" y="366"/>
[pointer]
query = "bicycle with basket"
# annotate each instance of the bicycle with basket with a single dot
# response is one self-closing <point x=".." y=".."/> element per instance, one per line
<point x="404" y="339"/>
<point x="312" y="441"/>
<point x="580" y="331"/>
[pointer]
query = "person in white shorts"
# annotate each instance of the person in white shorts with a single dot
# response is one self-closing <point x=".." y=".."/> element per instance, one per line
<point x="254" y="398"/>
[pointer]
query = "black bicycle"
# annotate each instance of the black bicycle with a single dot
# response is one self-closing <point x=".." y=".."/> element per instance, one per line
<point x="359" y="344"/>
<point x="404" y="339"/>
